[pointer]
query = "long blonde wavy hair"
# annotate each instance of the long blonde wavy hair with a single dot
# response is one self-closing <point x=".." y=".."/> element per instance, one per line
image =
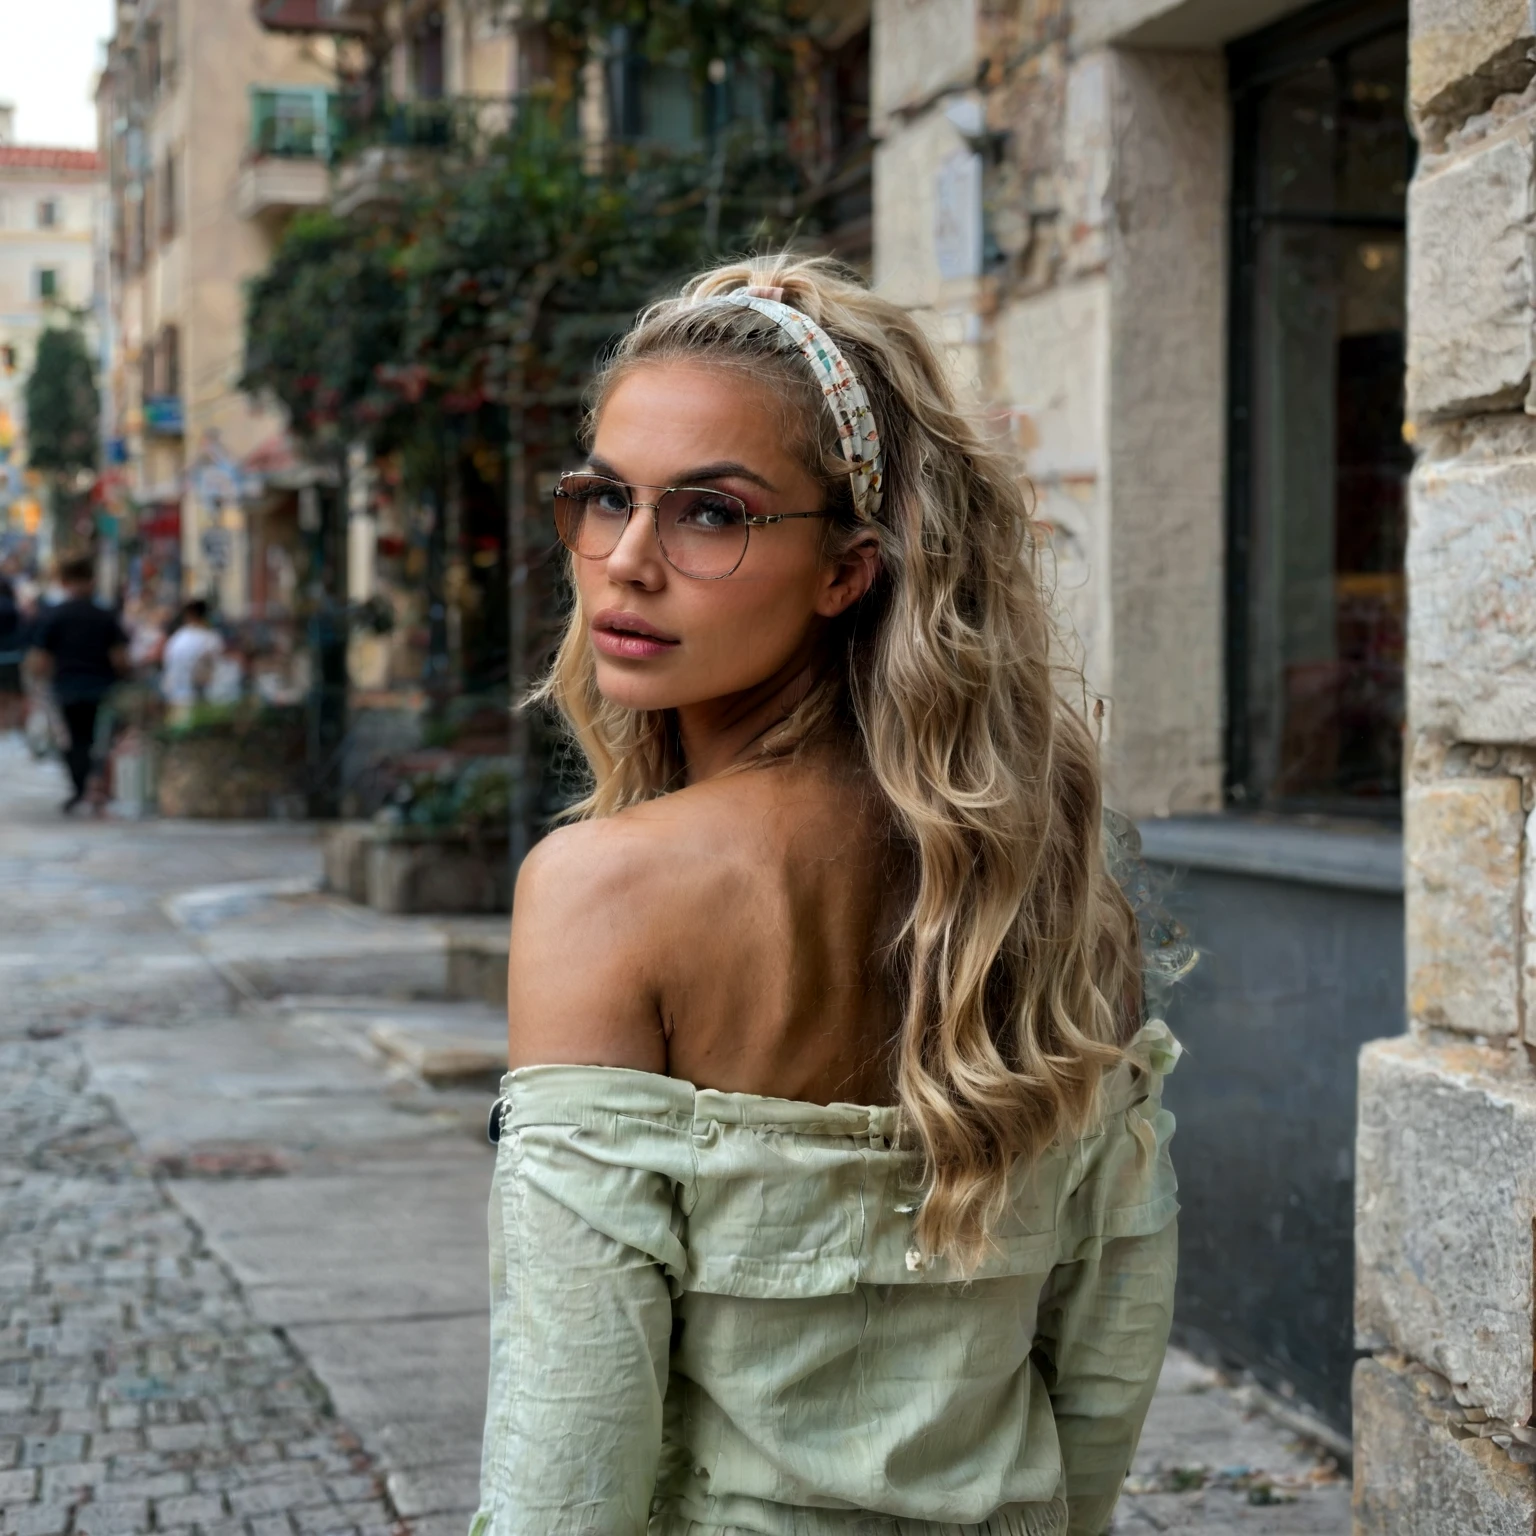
<point x="1018" y="955"/>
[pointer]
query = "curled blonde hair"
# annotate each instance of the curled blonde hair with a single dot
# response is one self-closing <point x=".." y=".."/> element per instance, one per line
<point x="1019" y="952"/>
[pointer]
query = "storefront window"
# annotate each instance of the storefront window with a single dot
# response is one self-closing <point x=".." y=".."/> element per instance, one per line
<point x="1318" y="463"/>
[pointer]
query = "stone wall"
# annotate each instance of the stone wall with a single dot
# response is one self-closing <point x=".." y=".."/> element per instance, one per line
<point x="1446" y="1195"/>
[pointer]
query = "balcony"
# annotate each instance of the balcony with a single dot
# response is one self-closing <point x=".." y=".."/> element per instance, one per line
<point x="294" y="131"/>
<point x="310" y="18"/>
<point x="385" y="145"/>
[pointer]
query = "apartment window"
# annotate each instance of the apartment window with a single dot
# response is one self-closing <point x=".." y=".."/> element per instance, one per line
<point x="1318" y="466"/>
<point x="138" y="245"/>
<point x="168" y="370"/>
<point x="650" y="101"/>
<point x="48" y="214"/>
<point x="153" y="76"/>
<point x="428" y="58"/>
<point x="167" y="197"/>
<point x="47" y="283"/>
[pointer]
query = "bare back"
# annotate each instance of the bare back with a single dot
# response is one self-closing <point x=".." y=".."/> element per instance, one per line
<point x="733" y="934"/>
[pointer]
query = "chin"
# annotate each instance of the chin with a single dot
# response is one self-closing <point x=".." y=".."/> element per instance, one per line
<point x="629" y="691"/>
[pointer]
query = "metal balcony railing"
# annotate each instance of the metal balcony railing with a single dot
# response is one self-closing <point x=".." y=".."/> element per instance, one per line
<point x="295" y="122"/>
<point x="463" y="123"/>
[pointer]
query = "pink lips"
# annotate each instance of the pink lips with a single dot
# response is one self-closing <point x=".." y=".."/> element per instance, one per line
<point x="627" y="637"/>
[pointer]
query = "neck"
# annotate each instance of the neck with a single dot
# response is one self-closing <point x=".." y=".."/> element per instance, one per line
<point x="720" y="734"/>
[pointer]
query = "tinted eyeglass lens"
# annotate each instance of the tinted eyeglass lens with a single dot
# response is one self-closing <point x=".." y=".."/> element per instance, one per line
<point x="591" y="513"/>
<point x="702" y="532"/>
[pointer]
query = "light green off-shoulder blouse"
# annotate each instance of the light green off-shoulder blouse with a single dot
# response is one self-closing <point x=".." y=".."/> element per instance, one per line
<point x="708" y="1319"/>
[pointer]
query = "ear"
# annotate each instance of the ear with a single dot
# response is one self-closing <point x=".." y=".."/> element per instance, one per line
<point x="853" y="575"/>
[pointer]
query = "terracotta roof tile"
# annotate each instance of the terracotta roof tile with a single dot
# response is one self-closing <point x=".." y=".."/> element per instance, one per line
<point x="34" y="157"/>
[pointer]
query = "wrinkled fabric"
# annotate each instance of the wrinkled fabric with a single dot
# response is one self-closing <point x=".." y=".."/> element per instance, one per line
<point x="708" y="1319"/>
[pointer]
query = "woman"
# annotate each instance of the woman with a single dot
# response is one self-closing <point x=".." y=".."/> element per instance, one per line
<point x="832" y="1193"/>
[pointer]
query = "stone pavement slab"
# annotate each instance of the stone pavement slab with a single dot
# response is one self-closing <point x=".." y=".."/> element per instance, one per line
<point x="355" y="1246"/>
<point x="414" y="1389"/>
<point x="1211" y="1462"/>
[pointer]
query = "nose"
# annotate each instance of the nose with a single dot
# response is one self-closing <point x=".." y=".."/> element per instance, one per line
<point x="637" y="560"/>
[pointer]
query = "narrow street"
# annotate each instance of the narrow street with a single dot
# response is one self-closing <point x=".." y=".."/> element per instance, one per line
<point x="242" y="1262"/>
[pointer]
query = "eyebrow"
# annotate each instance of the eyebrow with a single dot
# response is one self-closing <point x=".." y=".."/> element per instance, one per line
<point x="726" y="469"/>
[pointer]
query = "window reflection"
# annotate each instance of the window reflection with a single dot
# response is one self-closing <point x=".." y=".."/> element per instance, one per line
<point x="1319" y="462"/>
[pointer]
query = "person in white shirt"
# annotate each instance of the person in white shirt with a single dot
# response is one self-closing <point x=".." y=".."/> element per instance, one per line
<point x="187" y="664"/>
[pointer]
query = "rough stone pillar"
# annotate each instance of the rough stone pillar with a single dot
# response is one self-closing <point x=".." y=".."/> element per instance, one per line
<point x="1446" y="1176"/>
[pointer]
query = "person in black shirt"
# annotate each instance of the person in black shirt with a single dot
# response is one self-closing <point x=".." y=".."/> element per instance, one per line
<point x="83" y="650"/>
<point x="11" y="646"/>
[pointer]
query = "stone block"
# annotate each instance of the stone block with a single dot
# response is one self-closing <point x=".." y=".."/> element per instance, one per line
<point x="1469" y="278"/>
<point x="1192" y="24"/>
<point x="1413" y="1477"/>
<point x="344" y="850"/>
<point x="451" y="873"/>
<point x="1528" y="929"/>
<point x="1462" y="890"/>
<point x="1053" y="350"/>
<point x="920" y="49"/>
<point x="908" y="165"/>
<point x="477" y="969"/>
<point x="1445" y="1193"/>
<point x="1465" y="49"/>
<point x="1472" y="608"/>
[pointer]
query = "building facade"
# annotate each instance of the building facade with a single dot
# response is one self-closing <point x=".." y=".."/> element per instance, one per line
<point x="49" y="211"/>
<point x="209" y="137"/>
<point x="1164" y="243"/>
<point x="1250" y="286"/>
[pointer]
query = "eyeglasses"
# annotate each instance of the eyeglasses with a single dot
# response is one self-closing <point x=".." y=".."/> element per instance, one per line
<point x="702" y="533"/>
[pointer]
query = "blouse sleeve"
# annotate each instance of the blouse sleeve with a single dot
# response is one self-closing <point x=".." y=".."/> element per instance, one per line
<point x="1107" y="1309"/>
<point x="582" y="1238"/>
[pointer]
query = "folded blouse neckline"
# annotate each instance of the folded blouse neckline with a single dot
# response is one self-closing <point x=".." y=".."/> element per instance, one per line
<point x="1152" y="1049"/>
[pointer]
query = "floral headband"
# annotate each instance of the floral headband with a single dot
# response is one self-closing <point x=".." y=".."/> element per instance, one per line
<point x="856" y="432"/>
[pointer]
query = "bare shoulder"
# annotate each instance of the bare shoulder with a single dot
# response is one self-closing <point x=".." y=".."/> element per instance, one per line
<point x="580" y="984"/>
<point x="609" y="914"/>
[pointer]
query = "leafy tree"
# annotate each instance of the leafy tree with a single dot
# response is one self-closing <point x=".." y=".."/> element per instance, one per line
<point x="323" y="322"/>
<point x="761" y="31"/>
<point x="459" y="332"/>
<point x="63" y="409"/>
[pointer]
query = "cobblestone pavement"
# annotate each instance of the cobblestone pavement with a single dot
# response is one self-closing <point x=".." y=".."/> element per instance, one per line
<point x="188" y="1345"/>
<point x="137" y="1392"/>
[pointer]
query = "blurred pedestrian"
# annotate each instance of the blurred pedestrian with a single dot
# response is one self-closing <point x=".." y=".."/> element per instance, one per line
<point x="12" y="644"/>
<point x="80" y="650"/>
<point x="187" y="663"/>
<point x="145" y="624"/>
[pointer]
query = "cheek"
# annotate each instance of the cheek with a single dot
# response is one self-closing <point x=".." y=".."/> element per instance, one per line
<point x="759" y="615"/>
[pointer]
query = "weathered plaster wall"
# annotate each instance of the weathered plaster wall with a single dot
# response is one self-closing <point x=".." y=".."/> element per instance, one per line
<point x="1094" y="328"/>
<point x="1446" y="1197"/>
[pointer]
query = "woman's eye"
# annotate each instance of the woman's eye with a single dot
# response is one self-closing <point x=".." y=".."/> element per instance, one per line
<point x="610" y="501"/>
<point x="713" y="512"/>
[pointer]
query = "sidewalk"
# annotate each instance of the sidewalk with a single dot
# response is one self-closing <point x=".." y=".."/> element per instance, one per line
<point x="242" y="1251"/>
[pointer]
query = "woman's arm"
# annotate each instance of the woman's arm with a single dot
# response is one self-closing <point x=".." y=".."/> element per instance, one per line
<point x="581" y="1213"/>
<point x="581" y="1321"/>
<point x="1102" y="1333"/>
<point x="1106" y="1310"/>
